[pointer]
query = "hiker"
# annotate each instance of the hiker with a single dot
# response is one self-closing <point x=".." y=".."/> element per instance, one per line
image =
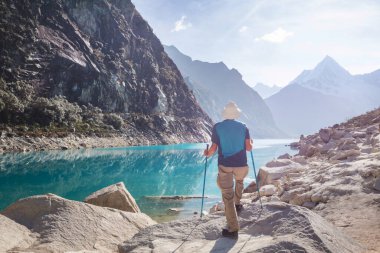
<point x="231" y="138"/>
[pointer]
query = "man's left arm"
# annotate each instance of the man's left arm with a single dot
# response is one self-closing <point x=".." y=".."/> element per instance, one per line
<point x="248" y="141"/>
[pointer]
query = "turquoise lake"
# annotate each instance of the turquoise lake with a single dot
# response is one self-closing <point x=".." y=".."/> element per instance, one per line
<point x="146" y="171"/>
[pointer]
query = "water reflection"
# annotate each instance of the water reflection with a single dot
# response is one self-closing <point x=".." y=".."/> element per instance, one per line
<point x="76" y="174"/>
<point x="146" y="171"/>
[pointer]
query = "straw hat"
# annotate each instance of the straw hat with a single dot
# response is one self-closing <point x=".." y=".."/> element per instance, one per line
<point x="231" y="111"/>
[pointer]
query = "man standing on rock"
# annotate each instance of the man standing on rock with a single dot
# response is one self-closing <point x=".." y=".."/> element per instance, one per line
<point x="231" y="138"/>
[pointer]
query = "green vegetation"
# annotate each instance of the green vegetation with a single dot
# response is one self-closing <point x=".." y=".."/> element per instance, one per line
<point x="28" y="114"/>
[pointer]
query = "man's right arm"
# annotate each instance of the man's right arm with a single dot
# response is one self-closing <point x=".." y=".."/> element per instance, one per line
<point x="209" y="152"/>
<point x="214" y="145"/>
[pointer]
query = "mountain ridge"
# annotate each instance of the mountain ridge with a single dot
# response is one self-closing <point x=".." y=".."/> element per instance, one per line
<point x="214" y="85"/>
<point x="323" y="95"/>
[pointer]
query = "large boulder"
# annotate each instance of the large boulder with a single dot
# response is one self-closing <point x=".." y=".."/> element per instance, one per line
<point x="269" y="175"/>
<point x="278" y="227"/>
<point x="337" y="134"/>
<point x="65" y="225"/>
<point x="307" y="150"/>
<point x="325" y="134"/>
<point x="278" y="163"/>
<point x="114" y="196"/>
<point x="14" y="236"/>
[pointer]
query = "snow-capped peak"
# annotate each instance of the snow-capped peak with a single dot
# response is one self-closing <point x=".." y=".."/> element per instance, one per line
<point x="327" y="77"/>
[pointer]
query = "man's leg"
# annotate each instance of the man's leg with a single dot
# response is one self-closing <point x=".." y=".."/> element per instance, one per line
<point x="226" y="184"/>
<point x="240" y="173"/>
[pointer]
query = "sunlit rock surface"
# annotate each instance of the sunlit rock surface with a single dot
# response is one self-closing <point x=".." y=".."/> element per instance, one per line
<point x="277" y="227"/>
<point x="64" y="225"/>
<point x="114" y="196"/>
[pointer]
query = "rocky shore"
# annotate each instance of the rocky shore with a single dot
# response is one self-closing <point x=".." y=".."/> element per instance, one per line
<point x="10" y="142"/>
<point x="336" y="174"/>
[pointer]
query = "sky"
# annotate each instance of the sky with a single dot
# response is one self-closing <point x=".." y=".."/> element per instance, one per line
<point x="270" y="41"/>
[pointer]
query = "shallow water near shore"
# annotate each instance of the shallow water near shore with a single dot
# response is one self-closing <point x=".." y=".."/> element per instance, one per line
<point x="145" y="170"/>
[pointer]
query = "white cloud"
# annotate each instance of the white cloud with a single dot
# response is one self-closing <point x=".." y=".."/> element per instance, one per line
<point x="243" y="29"/>
<point x="277" y="36"/>
<point x="181" y="24"/>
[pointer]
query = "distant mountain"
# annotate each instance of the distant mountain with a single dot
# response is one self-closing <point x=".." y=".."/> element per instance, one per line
<point x="371" y="78"/>
<point x="213" y="84"/>
<point x="266" y="91"/>
<point x="322" y="96"/>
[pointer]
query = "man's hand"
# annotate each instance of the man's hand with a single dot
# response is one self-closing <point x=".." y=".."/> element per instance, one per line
<point x="248" y="144"/>
<point x="209" y="152"/>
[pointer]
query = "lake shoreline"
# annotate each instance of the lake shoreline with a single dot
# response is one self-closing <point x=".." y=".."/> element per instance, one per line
<point x="18" y="143"/>
<point x="73" y="141"/>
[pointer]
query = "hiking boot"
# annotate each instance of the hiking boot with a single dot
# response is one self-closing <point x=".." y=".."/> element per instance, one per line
<point x="226" y="233"/>
<point x="239" y="207"/>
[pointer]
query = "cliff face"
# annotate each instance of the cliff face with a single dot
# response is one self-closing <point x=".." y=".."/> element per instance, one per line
<point x="101" y="53"/>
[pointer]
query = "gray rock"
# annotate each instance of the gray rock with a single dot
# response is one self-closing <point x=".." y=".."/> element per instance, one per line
<point x="299" y="159"/>
<point x="115" y="196"/>
<point x="278" y="227"/>
<point x="373" y="129"/>
<point x="325" y="134"/>
<point x="309" y="205"/>
<point x="251" y="187"/>
<point x="337" y="134"/>
<point x="376" y="185"/>
<point x="285" y="156"/>
<point x="307" y="150"/>
<point x="359" y="134"/>
<point x="269" y="175"/>
<point x="65" y="225"/>
<point x="347" y="144"/>
<point x="327" y="147"/>
<point x="278" y="163"/>
<point x="268" y="190"/>
<point x="345" y="154"/>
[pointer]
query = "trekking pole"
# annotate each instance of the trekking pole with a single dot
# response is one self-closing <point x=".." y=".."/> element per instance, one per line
<point x="257" y="183"/>
<point x="204" y="182"/>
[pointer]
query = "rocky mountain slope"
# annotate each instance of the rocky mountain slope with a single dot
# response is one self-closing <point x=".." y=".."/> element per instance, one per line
<point x="336" y="174"/>
<point x="214" y="85"/>
<point x="93" y="67"/>
<point x="266" y="91"/>
<point x="322" y="96"/>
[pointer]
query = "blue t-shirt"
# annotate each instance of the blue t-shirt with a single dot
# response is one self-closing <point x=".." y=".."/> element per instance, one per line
<point x="230" y="136"/>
